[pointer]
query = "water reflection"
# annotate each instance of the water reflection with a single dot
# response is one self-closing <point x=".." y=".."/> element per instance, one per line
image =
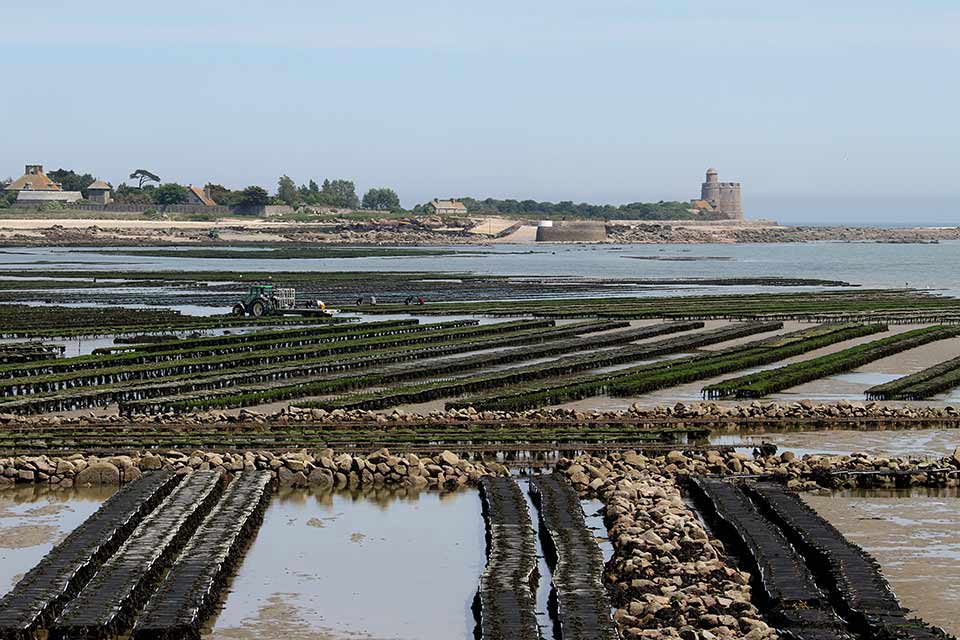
<point x="364" y="564"/>
<point x="33" y="518"/>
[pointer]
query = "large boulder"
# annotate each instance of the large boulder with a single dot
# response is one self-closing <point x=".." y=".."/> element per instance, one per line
<point x="151" y="461"/>
<point x="99" y="473"/>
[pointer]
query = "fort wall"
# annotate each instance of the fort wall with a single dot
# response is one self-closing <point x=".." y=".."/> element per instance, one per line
<point x="564" y="231"/>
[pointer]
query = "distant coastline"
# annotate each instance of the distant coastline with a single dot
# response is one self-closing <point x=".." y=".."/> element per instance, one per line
<point x="78" y="229"/>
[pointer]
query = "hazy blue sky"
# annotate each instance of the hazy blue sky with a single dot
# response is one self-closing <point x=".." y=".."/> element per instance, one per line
<point x="818" y="107"/>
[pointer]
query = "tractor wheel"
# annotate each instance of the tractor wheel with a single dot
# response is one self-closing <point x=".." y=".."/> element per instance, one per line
<point x="258" y="309"/>
<point x="238" y="310"/>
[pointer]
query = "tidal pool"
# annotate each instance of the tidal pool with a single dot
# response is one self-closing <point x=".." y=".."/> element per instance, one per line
<point x="34" y="518"/>
<point x="915" y="536"/>
<point x="372" y="565"/>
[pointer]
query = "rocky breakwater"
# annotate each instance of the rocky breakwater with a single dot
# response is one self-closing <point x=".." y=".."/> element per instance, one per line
<point x="684" y="232"/>
<point x="668" y="577"/>
<point x="590" y="474"/>
<point x="731" y="415"/>
<point x="325" y="468"/>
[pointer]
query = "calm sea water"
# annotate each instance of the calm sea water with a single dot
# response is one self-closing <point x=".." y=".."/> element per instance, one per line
<point x="928" y="266"/>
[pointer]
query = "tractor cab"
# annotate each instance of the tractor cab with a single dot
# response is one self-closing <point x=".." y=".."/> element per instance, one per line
<point x="258" y="291"/>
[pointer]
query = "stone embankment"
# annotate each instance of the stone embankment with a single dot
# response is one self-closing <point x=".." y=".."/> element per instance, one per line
<point x="732" y="414"/>
<point x="325" y="468"/>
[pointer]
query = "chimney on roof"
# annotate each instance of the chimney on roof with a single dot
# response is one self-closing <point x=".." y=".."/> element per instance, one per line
<point x="33" y="169"/>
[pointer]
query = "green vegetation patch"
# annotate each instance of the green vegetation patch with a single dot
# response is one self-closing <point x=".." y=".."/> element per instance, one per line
<point x="922" y="385"/>
<point x="667" y="373"/>
<point x="774" y="380"/>
<point x="287" y="253"/>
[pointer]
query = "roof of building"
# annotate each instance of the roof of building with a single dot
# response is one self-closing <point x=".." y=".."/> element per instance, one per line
<point x="34" y="182"/>
<point x="202" y="195"/>
<point x="711" y="170"/>
<point x="99" y="185"/>
<point x="701" y="204"/>
<point x="448" y="204"/>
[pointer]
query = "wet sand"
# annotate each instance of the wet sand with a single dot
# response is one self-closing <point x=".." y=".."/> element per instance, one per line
<point x="915" y="536"/>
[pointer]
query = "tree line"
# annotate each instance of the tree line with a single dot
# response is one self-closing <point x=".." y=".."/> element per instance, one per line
<point x="149" y="189"/>
<point x="662" y="210"/>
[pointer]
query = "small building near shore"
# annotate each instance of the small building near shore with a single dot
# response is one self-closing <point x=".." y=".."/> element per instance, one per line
<point x="100" y="192"/>
<point x="36" y="187"/>
<point x="201" y="196"/>
<point x="447" y="207"/>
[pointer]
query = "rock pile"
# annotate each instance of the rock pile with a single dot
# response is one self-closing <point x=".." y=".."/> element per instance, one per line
<point x="324" y="468"/>
<point x="668" y="577"/>
<point x="807" y="473"/>
<point x="730" y="415"/>
<point x="679" y="233"/>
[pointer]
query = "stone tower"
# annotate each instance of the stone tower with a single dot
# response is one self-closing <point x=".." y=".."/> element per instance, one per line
<point x="710" y="190"/>
<point x="724" y="197"/>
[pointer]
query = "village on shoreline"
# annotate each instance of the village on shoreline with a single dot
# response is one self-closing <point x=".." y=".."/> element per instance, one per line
<point x="67" y="209"/>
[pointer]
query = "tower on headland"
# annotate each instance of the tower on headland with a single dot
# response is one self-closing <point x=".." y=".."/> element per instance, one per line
<point x="723" y="197"/>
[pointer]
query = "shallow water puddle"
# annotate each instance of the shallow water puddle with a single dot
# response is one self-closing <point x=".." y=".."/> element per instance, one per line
<point x="933" y="443"/>
<point x="914" y="535"/>
<point x="34" y="518"/>
<point x="354" y="566"/>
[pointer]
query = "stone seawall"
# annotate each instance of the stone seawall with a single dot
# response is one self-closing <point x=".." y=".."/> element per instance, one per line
<point x="573" y="232"/>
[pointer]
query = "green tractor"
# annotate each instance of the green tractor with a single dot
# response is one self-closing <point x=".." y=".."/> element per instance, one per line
<point x="265" y="300"/>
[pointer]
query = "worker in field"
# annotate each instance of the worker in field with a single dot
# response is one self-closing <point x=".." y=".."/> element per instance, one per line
<point x="373" y="301"/>
<point x="420" y="300"/>
<point x="765" y="450"/>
